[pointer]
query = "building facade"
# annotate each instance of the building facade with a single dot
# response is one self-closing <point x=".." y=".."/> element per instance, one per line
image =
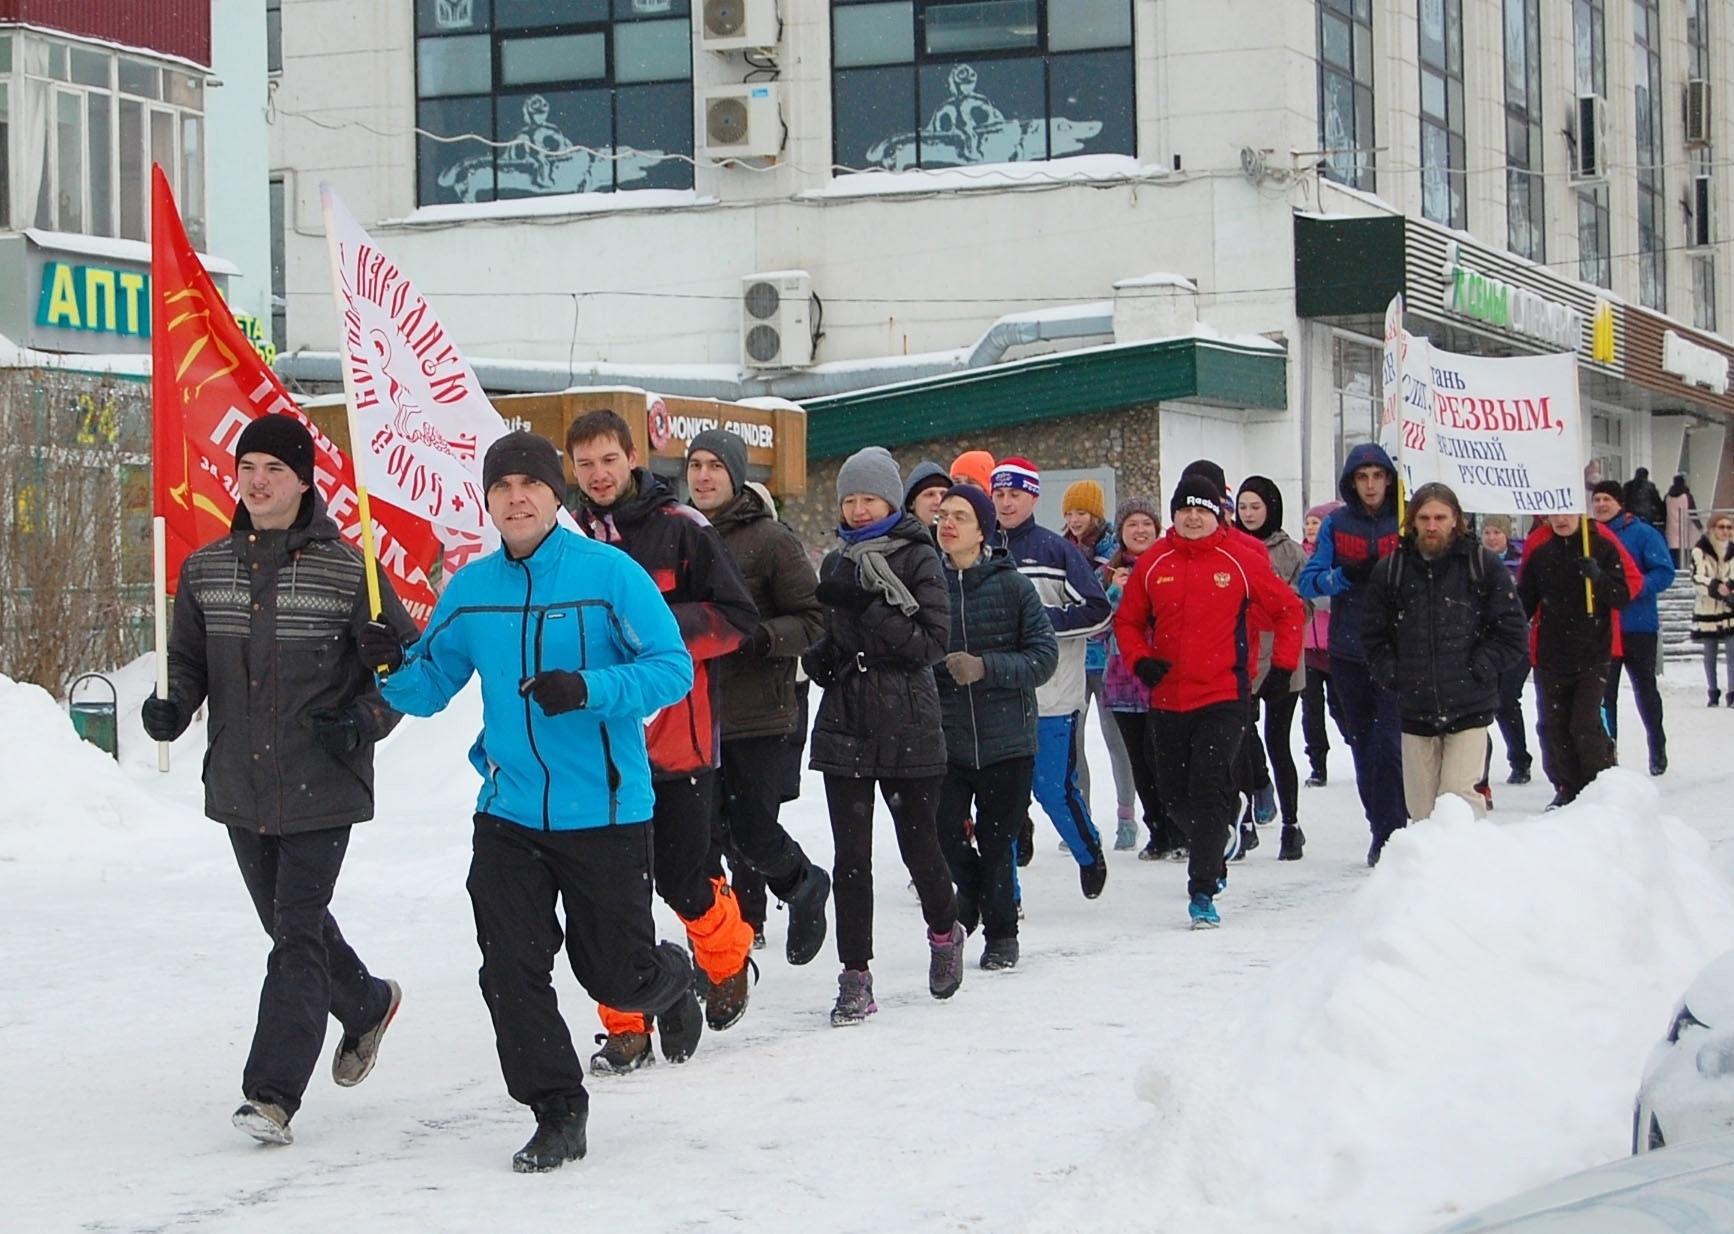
<point x="598" y="191"/>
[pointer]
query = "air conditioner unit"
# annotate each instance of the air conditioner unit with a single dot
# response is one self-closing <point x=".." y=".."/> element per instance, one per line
<point x="776" y="319"/>
<point x="737" y="25"/>
<point x="1591" y="131"/>
<point x="742" y="122"/>
<point x="1697" y="112"/>
<point x="1700" y="211"/>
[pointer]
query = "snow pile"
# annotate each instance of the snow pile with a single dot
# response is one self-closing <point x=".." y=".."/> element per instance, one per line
<point x="1474" y="1022"/>
<point x="63" y="796"/>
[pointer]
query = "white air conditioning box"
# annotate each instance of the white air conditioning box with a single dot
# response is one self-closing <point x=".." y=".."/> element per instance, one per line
<point x="737" y="25"/>
<point x="776" y="319"/>
<point x="742" y="121"/>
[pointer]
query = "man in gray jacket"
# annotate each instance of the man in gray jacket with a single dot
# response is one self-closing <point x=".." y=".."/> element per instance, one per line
<point x="265" y="629"/>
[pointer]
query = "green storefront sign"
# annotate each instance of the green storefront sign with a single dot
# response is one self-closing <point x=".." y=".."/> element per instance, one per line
<point x="105" y="300"/>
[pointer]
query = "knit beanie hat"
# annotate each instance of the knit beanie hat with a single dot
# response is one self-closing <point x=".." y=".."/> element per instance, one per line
<point x="1085" y="495"/>
<point x="974" y="465"/>
<point x="1210" y="471"/>
<point x="1501" y="521"/>
<point x="871" y="470"/>
<point x="1197" y="490"/>
<point x="982" y="504"/>
<point x="726" y="446"/>
<point x="1135" y="505"/>
<point x="925" y="474"/>
<point x="524" y="454"/>
<point x="1017" y="473"/>
<point x="284" y="438"/>
<point x="1612" y="488"/>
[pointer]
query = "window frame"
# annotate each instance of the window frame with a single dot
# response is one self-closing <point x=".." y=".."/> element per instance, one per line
<point x="1363" y="154"/>
<point x="1590" y="76"/>
<point x="1525" y="111"/>
<point x="1650" y="153"/>
<point x="1449" y="120"/>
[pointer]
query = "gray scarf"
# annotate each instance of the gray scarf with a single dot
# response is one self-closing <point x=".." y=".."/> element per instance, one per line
<point x="875" y="572"/>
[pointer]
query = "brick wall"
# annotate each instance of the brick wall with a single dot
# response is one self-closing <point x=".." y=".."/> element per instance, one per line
<point x="1123" y="440"/>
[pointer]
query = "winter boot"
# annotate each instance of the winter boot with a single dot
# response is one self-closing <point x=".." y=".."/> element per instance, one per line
<point x="758" y="938"/>
<point x="1126" y="837"/>
<point x="1235" y="848"/>
<point x="1318" y="778"/>
<point x="945" y="965"/>
<point x="1658" y="762"/>
<point x="854" y="998"/>
<point x="1264" y="804"/>
<point x="1093" y="877"/>
<point x="1027" y="841"/>
<point x="1716" y="697"/>
<point x="680" y="1027"/>
<point x="728" y="998"/>
<point x="264" y="1121"/>
<point x="1000" y="954"/>
<point x="559" y="1138"/>
<point x="1486" y="791"/>
<point x="1203" y="912"/>
<point x="1293" y="841"/>
<point x="806" y="904"/>
<point x="1519" y="775"/>
<point x="621" y="1053"/>
<point x="1179" y="853"/>
<point x="356" y="1055"/>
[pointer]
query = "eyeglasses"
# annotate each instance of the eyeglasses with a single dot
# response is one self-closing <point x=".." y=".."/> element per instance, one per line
<point x="965" y="518"/>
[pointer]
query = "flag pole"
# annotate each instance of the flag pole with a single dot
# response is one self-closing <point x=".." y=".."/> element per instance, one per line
<point x="160" y="572"/>
<point x="357" y="448"/>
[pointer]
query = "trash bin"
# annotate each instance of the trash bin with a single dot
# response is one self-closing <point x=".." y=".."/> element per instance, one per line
<point x="96" y="720"/>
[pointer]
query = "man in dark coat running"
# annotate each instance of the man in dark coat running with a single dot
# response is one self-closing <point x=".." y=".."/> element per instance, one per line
<point x="265" y="628"/>
<point x="1440" y="622"/>
<point x="760" y="708"/>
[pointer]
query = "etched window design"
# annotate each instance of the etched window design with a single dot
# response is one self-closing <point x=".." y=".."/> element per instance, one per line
<point x="1443" y="197"/>
<point x="1346" y="91"/>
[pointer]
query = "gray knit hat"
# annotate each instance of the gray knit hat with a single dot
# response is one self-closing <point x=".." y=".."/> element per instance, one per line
<point x="871" y="470"/>
<point x="1135" y="505"/>
<point x="726" y="446"/>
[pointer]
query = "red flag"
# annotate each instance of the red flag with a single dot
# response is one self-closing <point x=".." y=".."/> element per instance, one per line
<point x="207" y="383"/>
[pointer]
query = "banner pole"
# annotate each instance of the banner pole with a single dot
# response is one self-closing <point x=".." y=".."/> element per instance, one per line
<point x="357" y="447"/>
<point x="160" y="578"/>
<point x="1589" y="595"/>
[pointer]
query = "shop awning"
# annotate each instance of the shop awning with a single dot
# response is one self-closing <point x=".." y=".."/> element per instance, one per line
<point x="1196" y="368"/>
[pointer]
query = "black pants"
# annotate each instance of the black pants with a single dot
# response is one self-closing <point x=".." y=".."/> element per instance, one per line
<point x="1511" y="683"/>
<point x="1373" y="729"/>
<point x="682" y="841"/>
<point x="1279" y="749"/>
<point x="1639" y="663"/>
<point x="913" y="804"/>
<point x="1253" y="773"/>
<point x="1000" y="794"/>
<point x="312" y="972"/>
<point x="1196" y="756"/>
<point x="1318" y="698"/>
<point x="1578" y="748"/>
<point x="601" y="876"/>
<point x="759" y="850"/>
<point x="1135" y="732"/>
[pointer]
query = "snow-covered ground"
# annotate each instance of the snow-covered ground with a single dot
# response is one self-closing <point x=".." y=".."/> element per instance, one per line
<point x="1352" y="1051"/>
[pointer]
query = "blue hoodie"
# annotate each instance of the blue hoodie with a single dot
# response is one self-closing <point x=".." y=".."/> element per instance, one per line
<point x="1350" y="534"/>
<point x="571" y="604"/>
<point x="1650" y="551"/>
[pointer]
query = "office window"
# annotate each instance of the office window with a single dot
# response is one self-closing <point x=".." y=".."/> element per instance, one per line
<point x="273" y="36"/>
<point x="1590" y="73"/>
<point x="1356" y="389"/>
<point x="539" y="97"/>
<point x="1525" y="202"/>
<point x="1647" y="95"/>
<point x="949" y="83"/>
<point x="1346" y="91"/>
<point x="1703" y="165"/>
<point x="1443" y="199"/>
<point x="279" y="269"/>
<point x="1703" y="290"/>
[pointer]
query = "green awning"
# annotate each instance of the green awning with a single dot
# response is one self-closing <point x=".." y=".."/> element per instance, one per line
<point x="1068" y="383"/>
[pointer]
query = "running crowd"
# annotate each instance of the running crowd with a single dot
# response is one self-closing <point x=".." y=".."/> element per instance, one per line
<point x="645" y="676"/>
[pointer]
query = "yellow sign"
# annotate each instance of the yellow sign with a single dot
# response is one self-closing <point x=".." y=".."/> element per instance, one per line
<point x="94" y="298"/>
<point x="1602" y="333"/>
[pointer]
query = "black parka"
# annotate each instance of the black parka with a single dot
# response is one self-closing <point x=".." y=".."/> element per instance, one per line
<point x="1439" y="632"/>
<point x="995" y="614"/>
<point x="264" y="630"/>
<point x="879" y="717"/>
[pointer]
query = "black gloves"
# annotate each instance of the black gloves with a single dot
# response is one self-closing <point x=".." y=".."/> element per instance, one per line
<point x="1151" y="672"/>
<point x="162" y="718"/>
<point x="335" y="732"/>
<point x="1718" y="590"/>
<point x="1358" y="572"/>
<point x="1590" y="569"/>
<point x="557" y="691"/>
<point x="381" y="648"/>
<point x="842" y="591"/>
<point x="757" y="645"/>
<point x="1275" y="685"/>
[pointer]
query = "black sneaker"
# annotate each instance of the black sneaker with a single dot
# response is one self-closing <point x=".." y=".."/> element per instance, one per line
<point x="1561" y="798"/>
<point x="1027" y="839"/>
<point x="806" y="904"/>
<point x="1519" y="775"/>
<point x="1293" y="841"/>
<point x="1248" y="840"/>
<point x="621" y="1053"/>
<point x="1093" y="877"/>
<point x="1716" y="698"/>
<point x="1658" y="763"/>
<point x="758" y="938"/>
<point x="1000" y="954"/>
<point x="1317" y="778"/>
<point x="1150" y="852"/>
<point x="559" y="1138"/>
<point x="728" y="999"/>
<point x="355" y="1056"/>
<point x="680" y="1027"/>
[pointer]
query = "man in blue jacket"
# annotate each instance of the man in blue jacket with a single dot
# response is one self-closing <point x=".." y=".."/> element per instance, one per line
<point x="1077" y="607"/>
<point x="1351" y="541"/>
<point x="575" y="647"/>
<point x="1640" y="624"/>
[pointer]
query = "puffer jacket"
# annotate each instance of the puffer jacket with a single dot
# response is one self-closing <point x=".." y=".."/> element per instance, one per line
<point x="1440" y="632"/>
<point x="1076" y="604"/>
<point x="264" y="629"/>
<point x="1712" y="618"/>
<point x="1120" y="689"/>
<point x="879" y="717"/>
<point x="1316" y="634"/>
<point x="1349" y="535"/>
<point x="758" y="691"/>
<point x="572" y="604"/>
<point x="995" y="614"/>
<point x="1565" y="638"/>
<point x="1644" y="544"/>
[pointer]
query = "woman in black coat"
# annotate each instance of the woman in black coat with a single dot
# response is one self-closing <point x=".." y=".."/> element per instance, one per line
<point x="886" y="625"/>
<point x="1002" y="647"/>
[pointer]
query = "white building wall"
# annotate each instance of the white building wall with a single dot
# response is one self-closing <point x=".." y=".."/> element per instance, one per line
<point x="237" y="156"/>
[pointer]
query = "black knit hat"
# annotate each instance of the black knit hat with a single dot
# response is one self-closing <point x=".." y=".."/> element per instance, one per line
<point x="524" y="454"/>
<point x="729" y="448"/>
<point x="1211" y="471"/>
<point x="282" y="437"/>
<point x="1197" y="490"/>
<point x="981" y="503"/>
<point x="1612" y="488"/>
